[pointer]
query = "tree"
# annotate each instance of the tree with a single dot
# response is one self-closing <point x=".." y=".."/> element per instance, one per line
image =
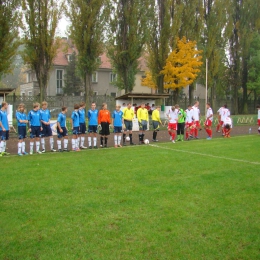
<point x="149" y="81"/>
<point x="9" y="40"/>
<point x="88" y="19"/>
<point x="128" y="34"/>
<point x="182" y="66"/>
<point x="72" y="81"/>
<point x="41" y="17"/>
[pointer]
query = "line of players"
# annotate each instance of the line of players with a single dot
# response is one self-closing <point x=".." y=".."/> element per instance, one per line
<point x="189" y="120"/>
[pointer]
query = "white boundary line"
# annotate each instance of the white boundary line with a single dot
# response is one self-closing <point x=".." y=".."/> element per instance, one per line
<point x="203" y="154"/>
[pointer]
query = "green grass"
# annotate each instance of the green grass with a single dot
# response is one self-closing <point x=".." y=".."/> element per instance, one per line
<point x="142" y="202"/>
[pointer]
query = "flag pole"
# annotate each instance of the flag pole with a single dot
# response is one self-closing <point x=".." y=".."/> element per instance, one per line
<point x="206" y="94"/>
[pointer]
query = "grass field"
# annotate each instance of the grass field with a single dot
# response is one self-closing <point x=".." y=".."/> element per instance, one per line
<point x="189" y="200"/>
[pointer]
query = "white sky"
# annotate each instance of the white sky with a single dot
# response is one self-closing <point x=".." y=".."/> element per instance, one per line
<point x="62" y="27"/>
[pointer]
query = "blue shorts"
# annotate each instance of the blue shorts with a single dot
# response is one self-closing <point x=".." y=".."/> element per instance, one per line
<point x="63" y="134"/>
<point x="92" y="128"/>
<point x="4" y="135"/>
<point x="21" y="132"/>
<point x="46" y="131"/>
<point x="82" y="128"/>
<point x="75" y="130"/>
<point x="117" y="129"/>
<point x="35" y="131"/>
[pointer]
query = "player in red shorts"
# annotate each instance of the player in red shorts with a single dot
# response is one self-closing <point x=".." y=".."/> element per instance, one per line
<point x="220" y="123"/>
<point x="224" y="114"/>
<point x="258" y="118"/>
<point x="227" y="127"/>
<point x="196" y="118"/>
<point x="173" y="122"/>
<point x="208" y="122"/>
<point x="188" y="122"/>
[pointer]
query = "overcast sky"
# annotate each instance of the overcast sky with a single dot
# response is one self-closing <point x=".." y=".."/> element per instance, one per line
<point x="62" y="27"/>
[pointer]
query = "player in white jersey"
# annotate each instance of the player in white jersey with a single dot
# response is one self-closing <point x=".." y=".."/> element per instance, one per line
<point x="188" y="122"/>
<point x="227" y="126"/>
<point x="224" y="114"/>
<point x="173" y="122"/>
<point x="196" y="118"/>
<point x="258" y="118"/>
<point x="220" y="123"/>
<point x="208" y="122"/>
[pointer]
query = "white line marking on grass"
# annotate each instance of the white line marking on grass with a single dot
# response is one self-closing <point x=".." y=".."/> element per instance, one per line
<point x="203" y="154"/>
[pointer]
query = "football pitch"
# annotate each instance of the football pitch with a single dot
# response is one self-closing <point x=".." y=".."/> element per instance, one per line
<point x="189" y="200"/>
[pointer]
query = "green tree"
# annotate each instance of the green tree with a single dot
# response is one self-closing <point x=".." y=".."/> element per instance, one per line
<point x="88" y="20"/>
<point x="41" y="20"/>
<point x="9" y="40"/>
<point x="128" y="34"/>
<point x="72" y="81"/>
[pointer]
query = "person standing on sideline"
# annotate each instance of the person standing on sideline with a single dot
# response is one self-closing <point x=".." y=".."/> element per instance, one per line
<point x="22" y="121"/>
<point x="188" y="123"/>
<point x="258" y="118"/>
<point x="4" y="129"/>
<point x="104" y="121"/>
<point x="62" y="131"/>
<point x="172" y="125"/>
<point x="82" y="124"/>
<point x="181" y="122"/>
<point x="128" y="116"/>
<point x="35" y="127"/>
<point x="46" y="127"/>
<point x="142" y="116"/>
<point x="75" y="128"/>
<point x="117" y="122"/>
<point x="208" y="122"/>
<point x="92" y="125"/>
<point x="196" y="118"/>
<point x="156" y="120"/>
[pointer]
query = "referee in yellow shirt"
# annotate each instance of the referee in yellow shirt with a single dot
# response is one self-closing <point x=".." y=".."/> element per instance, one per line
<point x="128" y="116"/>
<point x="156" y="122"/>
<point x="142" y="116"/>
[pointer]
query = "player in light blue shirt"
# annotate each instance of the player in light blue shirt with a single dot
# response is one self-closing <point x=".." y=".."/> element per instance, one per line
<point x="62" y="130"/>
<point x="75" y="128"/>
<point x="82" y="124"/>
<point x="4" y="129"/>
<point x="46" y="126"/>
<point x="117" y="122"/>
<point x="22" y="120"/>
<point x="92" y="125"/>
<point x="34" y="118"/>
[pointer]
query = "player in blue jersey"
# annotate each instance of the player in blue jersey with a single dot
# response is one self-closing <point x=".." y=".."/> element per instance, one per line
<point x="117" y="122"/>
<point x="82" y="124"/>
<point x="46" y="127"/>
<point x="22" y="121"/>
<point x="75" y="128"/>
<point x="35" y="128"/>
<point x="62" y="131"/>
<point x="92" y="126"/>
<point x="4" y="129"/>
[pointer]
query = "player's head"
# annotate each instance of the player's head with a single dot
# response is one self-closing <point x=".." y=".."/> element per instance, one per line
<point x="36" y="106"/>
<point x="64" y="110"/>
<point x="258" y="106"/>
<point x="177" y="106"/>
<point x="225" y="106"/>
<point x="93" y="105"/>
<point x="76" y="107"/>
<point x="208" y="105"/>
<point x="189" y="107"/>
<point x="118" y="108"/>
<point x="82" y="104"/>
<point x="123" y="105"/>
<point x="158" y="108"/>
<point x="143" y="105"/>
<point x="129" y="105"/>
<point x="196" y="104"/>
<point x="44" y="105"/>
<point x="104" y="106"/>
<point x="227" y="126"/>
<point x="173" y="108"/>
<point x="4" y="105"/>
<point x="21" y="107"/>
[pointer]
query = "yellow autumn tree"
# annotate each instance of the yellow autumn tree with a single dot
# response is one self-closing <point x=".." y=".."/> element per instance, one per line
<point x="182" y="65"/>
<point x="148" y="80"/>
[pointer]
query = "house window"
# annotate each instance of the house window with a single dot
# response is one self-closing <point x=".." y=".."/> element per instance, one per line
<point x="94" y="77"/>
<point x="59" y="77"/>
<point x="23" y="94"/>
<point x="112" y="77"/>
<point x="95" y="93"/>
<point x="69" y="57"/>
<point x="29" y="77"/>
<point x="113" y="94"/>
<point x="29" y="93"/>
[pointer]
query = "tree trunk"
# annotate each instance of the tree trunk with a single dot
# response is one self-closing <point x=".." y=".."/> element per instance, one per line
<point x="176" y="95"/>
<point x="160" y="84"/>
<point x="191" y="93"/>
<point x="244" y="86"/>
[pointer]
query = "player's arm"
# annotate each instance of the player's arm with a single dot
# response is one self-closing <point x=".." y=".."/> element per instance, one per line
<point x="1" y="125"/>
